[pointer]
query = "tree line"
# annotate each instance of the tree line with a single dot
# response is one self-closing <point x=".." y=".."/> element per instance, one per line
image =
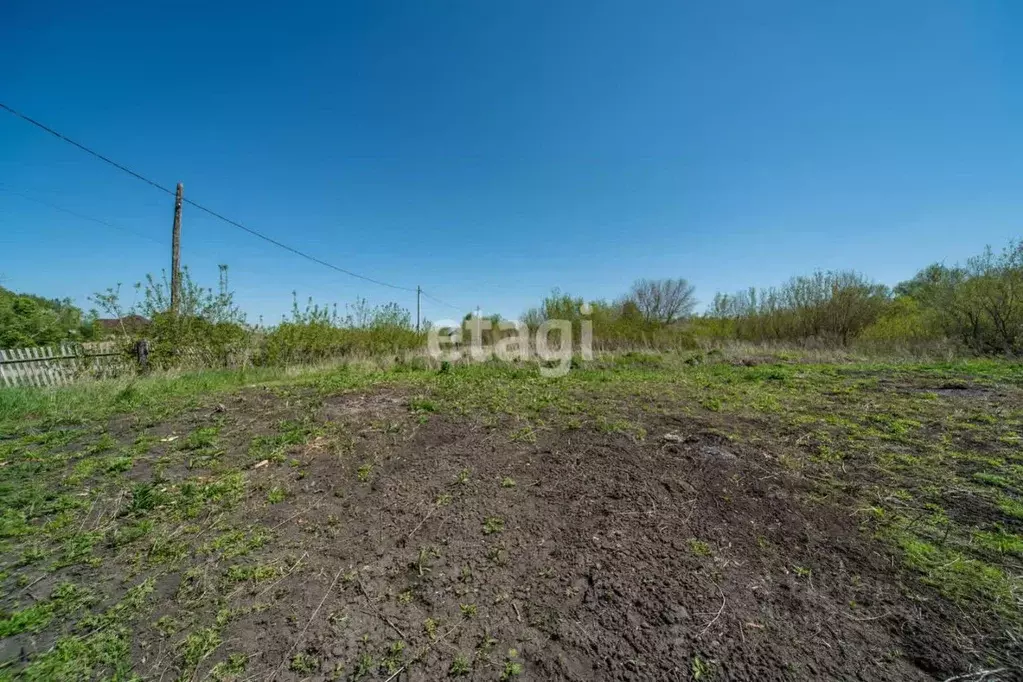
<point x="974" y="307"/>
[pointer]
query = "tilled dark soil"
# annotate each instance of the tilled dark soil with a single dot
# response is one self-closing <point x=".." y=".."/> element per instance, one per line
<point x="576" y="555"/>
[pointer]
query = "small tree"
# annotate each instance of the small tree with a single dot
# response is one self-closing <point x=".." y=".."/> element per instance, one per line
<point x="663" y="300"/>
<point x="208" y="329"/>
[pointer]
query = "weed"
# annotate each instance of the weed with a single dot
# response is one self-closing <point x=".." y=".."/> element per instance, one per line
<point x="498" y="555"/>
<point x="77" y="549"/>
<point x="512" y="668"/>
<point x="430" y="628"/>
<point x="493" y="524"/>
<point x="391" y="662"/>
<point x="31" y="619"/>
<point x="363" y="667"/>
<point x="198" y="645"/>
<point x="237" y="543"/>
<point x="422" y="405"/>
<point x="1011" y="507"/>
<point x="201" y="438"/>
<point x="507" y="482"/>
<point x="460" y="666"/>
<point x="1000" y="541"/>
<point x="304" y="663"/>
<point x="276" y="495"/>
<point x="699" y="547"/>
<point x="712" y="404"/>
<point x="132" y="532"/>
<point x="468" y="610"/>
<point x="526" y="434"/>
<point x="230" y="669"/>
<point x="144" y="498"/>
<point x="338" y="619"/>
<point x="700" y="668"/>
<point x="106" y="442"/>
<point x="487" y="644"/>
<point x="31" y="555"/>
<point x="422" y="562"/>
<point x="463" y="476"/>
<point x="117" y="465"/>
<point x="443" y="500"/>
<point x="166" y="626"/>
<point x="257" y="573"/>
<point x="364" y="472"/>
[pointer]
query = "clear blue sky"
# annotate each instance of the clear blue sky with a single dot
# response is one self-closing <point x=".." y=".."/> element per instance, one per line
<point x="490" y="151"/>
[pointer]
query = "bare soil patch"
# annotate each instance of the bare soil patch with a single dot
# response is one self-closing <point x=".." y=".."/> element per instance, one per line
<point x="592" y="555"/>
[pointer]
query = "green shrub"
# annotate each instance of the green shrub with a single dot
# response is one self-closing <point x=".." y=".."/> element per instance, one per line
<point x="320" y="333"/>
<point x="830" y="307"/>
<point x="27" y="320"/>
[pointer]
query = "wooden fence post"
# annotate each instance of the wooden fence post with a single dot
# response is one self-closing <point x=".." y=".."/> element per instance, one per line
<point x="142" y="354"/>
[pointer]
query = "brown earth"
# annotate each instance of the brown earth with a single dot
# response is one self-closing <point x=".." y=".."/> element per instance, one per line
<point x="593" y="555"/>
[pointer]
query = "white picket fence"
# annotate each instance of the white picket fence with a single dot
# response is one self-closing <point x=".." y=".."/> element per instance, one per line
<point x="59" y="365"/>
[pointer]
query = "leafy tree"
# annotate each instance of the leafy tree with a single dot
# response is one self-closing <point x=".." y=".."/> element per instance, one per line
<point x="27" y="320"/>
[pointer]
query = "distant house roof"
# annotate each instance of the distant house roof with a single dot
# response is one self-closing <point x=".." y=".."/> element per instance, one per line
<point x="129" y="322"/>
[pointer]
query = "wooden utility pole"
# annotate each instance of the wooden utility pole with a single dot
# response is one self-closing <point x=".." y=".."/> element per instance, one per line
<point x="419" y="293"/>
<point x="175" y="292"/>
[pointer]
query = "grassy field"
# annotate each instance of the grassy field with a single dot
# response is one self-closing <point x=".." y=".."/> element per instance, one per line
<point x="646" y="517"/>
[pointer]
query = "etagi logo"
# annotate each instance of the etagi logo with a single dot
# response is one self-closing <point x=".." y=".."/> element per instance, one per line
<point x="480" y="339"/>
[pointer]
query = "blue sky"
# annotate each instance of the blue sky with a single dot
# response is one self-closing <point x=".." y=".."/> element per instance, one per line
<point x="492" y="151"/>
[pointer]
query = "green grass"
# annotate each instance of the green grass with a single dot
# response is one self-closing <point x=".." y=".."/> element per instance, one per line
<point x="102" y="647"/>
<point x="231" y="669"/>
<point x="257" y="573"/>
<point x="156" y="396"/>
<point x="199" y="645"/>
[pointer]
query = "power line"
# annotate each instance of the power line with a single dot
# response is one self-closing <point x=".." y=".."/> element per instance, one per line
<point x="99" y="156"/>
<point x="437" y="300"/>
<point x="82" y="216"/>
<point x="294" y="250"/>
<point x="233" y="223"/>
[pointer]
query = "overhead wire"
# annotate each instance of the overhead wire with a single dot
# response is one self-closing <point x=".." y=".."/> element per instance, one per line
<point x="81" y="216"/>
<point x="209" y="211"/>
<point x="437" y="300"/>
